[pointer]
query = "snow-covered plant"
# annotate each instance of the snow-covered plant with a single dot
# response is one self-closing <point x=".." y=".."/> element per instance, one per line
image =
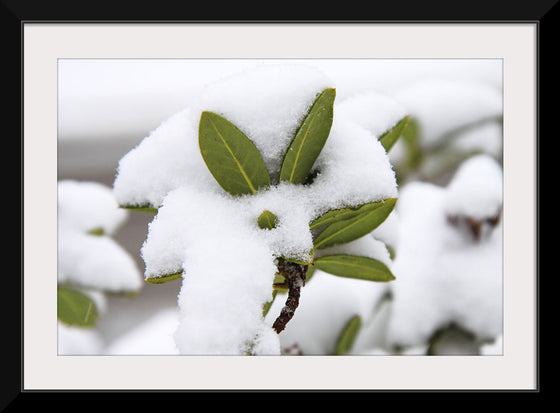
<point x="90" y="262"/>
<point x="236" y="164"/>
<point x="254" y="184"/>
<point x="449" y="261"/>
<point x="335" y="313"/>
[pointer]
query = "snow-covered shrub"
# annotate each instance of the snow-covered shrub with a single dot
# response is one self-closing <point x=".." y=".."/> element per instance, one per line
<point x="449" y="260"/>
<point x="447" y="297"/>
<point x="90" y="262"/>
<point x="249" y="194"/>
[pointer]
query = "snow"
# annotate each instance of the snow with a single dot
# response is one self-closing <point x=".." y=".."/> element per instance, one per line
<point x="84" y="207"/>
<point x="87" y="206"/>
<point x="444" y="275"/>
<point x="160" y="163"/>
<point x="153" y="336"/>
<point x="388" y="231"/>
<point x="476" y="189"/>
<point x="228" y="275"/>
<point x="79" y="262"/>
<point x="212" y="237"/>
<point x="267" y="104"/>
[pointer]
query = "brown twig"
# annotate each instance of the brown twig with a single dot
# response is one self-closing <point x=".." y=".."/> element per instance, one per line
<point x="295" y="279"/>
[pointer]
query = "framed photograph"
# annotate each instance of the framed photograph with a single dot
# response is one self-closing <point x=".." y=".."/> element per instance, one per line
<point x="108" y="104"/>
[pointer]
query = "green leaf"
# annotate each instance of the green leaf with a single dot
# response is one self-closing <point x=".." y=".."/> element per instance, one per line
<point x="352" y="224"/>
<point x="337" y="215"/>
<point x="279" y="283"/>
<point x="348" y="336"/>
<point x="141" y="208"/>
<point x="411" y="138"/>
<point x="309" y="139"/>
<point x="309" y="274"/>
<point x="75" y="308"/>
<point x="391" y="250"/>
<point x="161" y="279"/>
<point x="389" y="138"/>
<point x="268" y="304"/>
<point x="96" y="231"/>
<point x="353" y="266"/>
<point x="232" y="158"/>
<point x="267" y="220"/>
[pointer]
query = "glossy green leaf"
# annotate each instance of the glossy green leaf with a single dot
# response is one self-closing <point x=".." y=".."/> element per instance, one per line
<point x="267" y="220"/>
<point x="354" y="224"/>
<point x="348" y="336"/>
<point x="354" y="266"/>
<point x="309" y="139"/>
<point x="232" y="158"/>
<point x="389" y="138"/>
<point x="161" y="279"/>
<point x="75" y="308"/>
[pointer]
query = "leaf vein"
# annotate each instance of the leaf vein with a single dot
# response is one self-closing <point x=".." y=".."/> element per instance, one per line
<point x="347" y="227"/>
<point x="234" y="158"/>
<point x="306" y="134"/>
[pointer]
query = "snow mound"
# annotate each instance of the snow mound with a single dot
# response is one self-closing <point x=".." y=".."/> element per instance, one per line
<point x="86" y="259"/>
<point x="476" y="189"/>
<point x="89" y="206"/>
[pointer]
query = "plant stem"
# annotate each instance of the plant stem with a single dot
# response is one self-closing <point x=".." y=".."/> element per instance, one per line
<point x="294" y="275"/>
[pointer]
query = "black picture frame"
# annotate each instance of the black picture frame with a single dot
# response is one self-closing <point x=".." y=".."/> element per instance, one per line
<point x="15" y="13"/>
